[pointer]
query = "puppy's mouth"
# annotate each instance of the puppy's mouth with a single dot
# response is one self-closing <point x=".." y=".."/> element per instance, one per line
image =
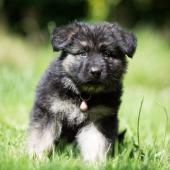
<point x="92" y="87"/>
<point x="93" y="83"/>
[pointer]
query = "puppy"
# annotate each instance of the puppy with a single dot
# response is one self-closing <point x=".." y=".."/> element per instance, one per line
<point x="79" y="94"/>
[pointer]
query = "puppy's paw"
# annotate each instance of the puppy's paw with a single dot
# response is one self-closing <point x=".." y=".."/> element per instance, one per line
<point x="39" y="153"/>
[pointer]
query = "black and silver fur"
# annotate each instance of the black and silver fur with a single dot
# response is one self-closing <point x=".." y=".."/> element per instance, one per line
<point x="91" y="67"/>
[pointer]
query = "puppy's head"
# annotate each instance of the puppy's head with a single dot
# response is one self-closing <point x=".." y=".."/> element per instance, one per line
<point x="94" y="54"/>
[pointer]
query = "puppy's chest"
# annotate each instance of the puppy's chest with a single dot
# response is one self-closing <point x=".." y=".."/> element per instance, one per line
<point x="72" y="112"/>
<point x="98" y="107"/>
<point x="96" y="112"/>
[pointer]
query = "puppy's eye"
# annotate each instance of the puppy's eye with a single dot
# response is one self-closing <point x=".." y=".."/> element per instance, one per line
<point x="106" y="54"/>
<point x="83" y="54"/>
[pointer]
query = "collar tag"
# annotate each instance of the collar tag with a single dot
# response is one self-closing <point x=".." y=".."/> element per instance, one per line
<point x="83" y="106"/>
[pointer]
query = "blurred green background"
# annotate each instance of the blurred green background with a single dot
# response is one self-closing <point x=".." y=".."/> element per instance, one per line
<point x="36" y="17"/>
<point x="25" y="52"/>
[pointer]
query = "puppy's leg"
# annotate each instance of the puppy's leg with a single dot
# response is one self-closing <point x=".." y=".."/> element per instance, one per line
<point x="93" y="144"/>
<point x="109" y="127"/>
<point x="42" y="134"/>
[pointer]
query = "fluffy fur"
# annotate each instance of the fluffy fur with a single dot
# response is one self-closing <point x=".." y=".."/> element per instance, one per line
<point x="91" y="67"/>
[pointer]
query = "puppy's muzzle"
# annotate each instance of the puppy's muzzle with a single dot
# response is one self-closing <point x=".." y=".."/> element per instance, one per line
<point x="95" y="72"/>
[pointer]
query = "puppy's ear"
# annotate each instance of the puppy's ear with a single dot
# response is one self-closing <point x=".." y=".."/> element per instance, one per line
<point x="62" y="36"/>
<point x="128" y="43"/>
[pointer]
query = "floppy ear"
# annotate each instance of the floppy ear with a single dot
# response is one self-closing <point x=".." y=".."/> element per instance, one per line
<point x="62" y="36"/>
<point x="128" y="43"/>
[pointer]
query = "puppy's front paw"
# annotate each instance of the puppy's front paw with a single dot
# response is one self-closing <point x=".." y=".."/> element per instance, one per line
<point x="39" y="152"/>
<point x="93" y="145"/>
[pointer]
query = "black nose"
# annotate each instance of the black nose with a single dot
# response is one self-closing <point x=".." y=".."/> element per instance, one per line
<point x="95" y="71"/>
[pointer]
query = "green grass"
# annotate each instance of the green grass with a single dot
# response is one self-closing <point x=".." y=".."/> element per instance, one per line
<point x="21" y="65"/>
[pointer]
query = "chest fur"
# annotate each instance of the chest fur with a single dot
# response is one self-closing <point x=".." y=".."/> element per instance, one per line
<point x="66" y="109"/>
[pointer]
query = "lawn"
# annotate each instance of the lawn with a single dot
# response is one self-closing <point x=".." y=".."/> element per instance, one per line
<point x="21" y="65"/>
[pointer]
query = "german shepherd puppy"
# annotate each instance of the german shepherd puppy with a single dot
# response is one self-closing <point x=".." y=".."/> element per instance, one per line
<point x="79" y="94"/>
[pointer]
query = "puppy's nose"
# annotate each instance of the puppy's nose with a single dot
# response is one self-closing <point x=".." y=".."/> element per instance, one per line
<point x="95" y="71"/>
